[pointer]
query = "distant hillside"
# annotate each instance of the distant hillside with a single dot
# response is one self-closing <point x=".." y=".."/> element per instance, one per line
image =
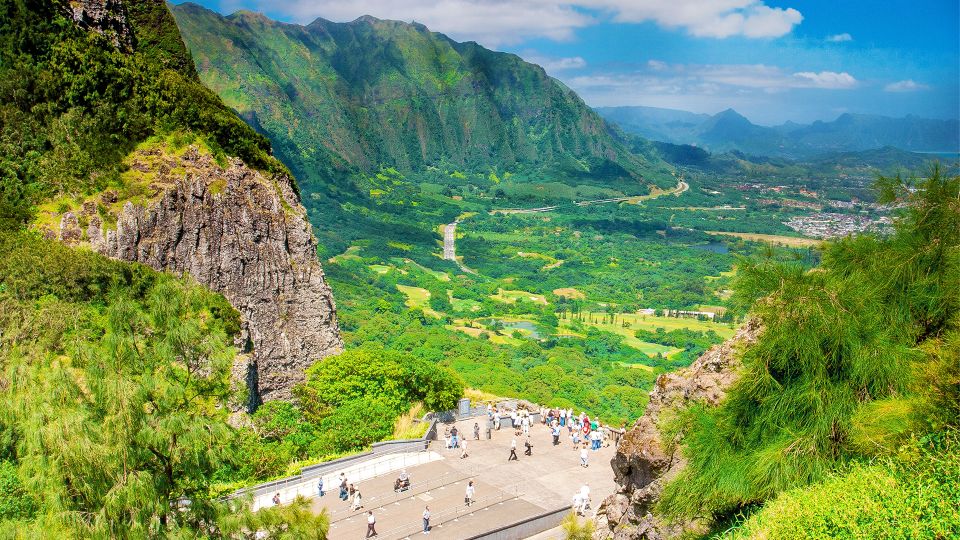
<point x="728" y="130"/>
<point x="340" y="97"/>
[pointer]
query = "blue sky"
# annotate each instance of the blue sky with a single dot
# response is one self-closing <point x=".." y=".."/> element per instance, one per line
<point x="773" y="61"/>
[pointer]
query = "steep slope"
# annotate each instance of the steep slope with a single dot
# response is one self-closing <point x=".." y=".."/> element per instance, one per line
<point x="111" y="141"/>
<point x="371" y="93"/>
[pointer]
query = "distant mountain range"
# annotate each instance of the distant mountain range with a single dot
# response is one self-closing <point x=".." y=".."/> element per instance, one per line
<point x="729" y="130"/>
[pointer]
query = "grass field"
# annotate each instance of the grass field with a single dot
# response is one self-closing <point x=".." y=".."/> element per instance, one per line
<point x="510" y="297"/>
<point x="475" y="332"/>
<point x="380" y="268"/>
<point x="649" y="349"/>
<point x="418" y="298"/>
<point x="460" y="304"/>
<point x="352" y="252"/>
<point x="569" y="292"/>
<point x="789" y="241"/>
<point x="635" y="366"/>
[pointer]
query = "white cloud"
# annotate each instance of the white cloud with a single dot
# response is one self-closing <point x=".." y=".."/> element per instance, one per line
<point x="659" y="83"/>
<point x="827" y="79"/>
<point x="706" y="18"/>
<point x="553" y="65"/>
<point x="908" y="85"/>
<point x="502" y="22"/>
<point x="839" y="38"/>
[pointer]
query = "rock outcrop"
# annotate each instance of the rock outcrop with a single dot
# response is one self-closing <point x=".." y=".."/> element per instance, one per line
<point x="645" y="462"/>
<point x="240" y="234"/>
<point x="108" y="17"/>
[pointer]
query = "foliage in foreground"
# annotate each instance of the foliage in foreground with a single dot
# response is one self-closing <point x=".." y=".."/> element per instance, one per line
<point x="843" y="367"/>
<point x="915" y="494"/>
<point x="113" y="381"/>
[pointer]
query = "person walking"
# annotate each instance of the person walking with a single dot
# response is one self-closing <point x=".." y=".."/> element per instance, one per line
<point x="357" y="501"/>
<point x="320" y="486"/>
<point x="426" y="520"/>
<point x="556" y="434"/>
<point x="371" y="525"/>
<point x="468" y="496"/>
<point x="476" y="431"/>
<point x="463" y="449"/>
<point x="276" y="499"/>
<point x="343" y="487"/>
<point x="584" y="457"/>
<point x="529" y="447"/>
<point x="513" y="450"/>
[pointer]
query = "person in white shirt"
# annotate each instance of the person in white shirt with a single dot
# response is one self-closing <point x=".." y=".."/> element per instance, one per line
<point x="585" y="496"/>
<point x="463" y="449"/>
<point x="468" y="496"/>
<point x="426" y="520"/>
<point x="357" y="501"/>
<point x="371" y="523"/>
<point x="584" y="456"/>
<point x="513" y="450"/>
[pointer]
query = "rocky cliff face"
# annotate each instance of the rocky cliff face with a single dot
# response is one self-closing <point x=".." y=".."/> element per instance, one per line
<point x="645" y="461"/>
<point x="238" y="233"/>
<point x="109" y="17"/>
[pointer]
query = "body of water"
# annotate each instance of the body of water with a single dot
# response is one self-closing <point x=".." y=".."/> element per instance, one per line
<point x="713" y="247"/>
<point x="515" y="325"/>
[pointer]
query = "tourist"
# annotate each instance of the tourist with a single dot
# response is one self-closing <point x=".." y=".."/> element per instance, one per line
<point x="426" y="520"/>
<point x="320" y="486"/>
<point x="584" y="456"/>
<point x="496" y="420"/>
<point x="463" y="449"/>
<point x="276" y="499"/>
<point x="529" y="447"/>
<point x="585" y="497"/>
<point x="468" y="496"/>
<point x="513" y="450"/>
<point x="563" y="417"/>
<point x="556" y="435"/>
<point x="357" y="501"/>
<point x="476" y="431"/>
<point x="343" y="487"/>
<point x="454" y="440"/>
<point x="371" y="525"/>
<point x="577" y="503"/>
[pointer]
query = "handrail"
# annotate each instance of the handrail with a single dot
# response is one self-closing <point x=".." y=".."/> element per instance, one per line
<point x="437" y="519"/>
<point x="395" y="496"/>
<point x="313" y="472"/>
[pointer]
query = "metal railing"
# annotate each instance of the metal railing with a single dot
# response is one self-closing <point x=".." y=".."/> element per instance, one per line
<point x="407" y="448"/>
<point x="438" y="519"/>
<point x="416" y="489"/>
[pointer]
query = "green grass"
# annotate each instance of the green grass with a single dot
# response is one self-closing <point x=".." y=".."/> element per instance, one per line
<point x="418" y="298"/>
<point x="510" y="297"/>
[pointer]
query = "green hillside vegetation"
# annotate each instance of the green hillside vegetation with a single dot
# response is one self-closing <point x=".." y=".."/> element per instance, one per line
<point x="387" y="122"/>
<point x="857" y="356"/>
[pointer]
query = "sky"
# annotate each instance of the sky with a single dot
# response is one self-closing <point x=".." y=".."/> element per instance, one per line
<point x="772" y="60"/>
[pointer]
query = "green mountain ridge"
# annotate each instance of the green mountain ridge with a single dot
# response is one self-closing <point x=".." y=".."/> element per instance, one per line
<point x="372" y="93"/>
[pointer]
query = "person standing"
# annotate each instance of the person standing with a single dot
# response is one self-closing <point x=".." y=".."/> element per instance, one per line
<point x="276" y="499"/>
<point x="320" y="486"/>
<point x="454" y="440"/>
<point x="371" y="525"/>
<point x="357" y="501"/>
<point x="426" y="520"/>
<point x="463" y="449"/>
<point x="584" y="456"/>
<point x="513" y="450"/>
<point x="343" y="487"/>
<point x="556" y="434"/>
<point x="468" y="496"/>
<point x="529" y="447"/>
<point x="476" y="431"/>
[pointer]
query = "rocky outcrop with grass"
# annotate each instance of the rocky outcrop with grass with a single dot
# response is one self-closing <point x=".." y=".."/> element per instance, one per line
<point x="648" y="456"/>
<point x="235" y="231"/>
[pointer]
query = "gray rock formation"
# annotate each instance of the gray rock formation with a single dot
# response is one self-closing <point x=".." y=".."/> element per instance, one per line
<point x="645" y="462"/>
<point x="108" y="17"/>
<point x="245" y="236"/>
